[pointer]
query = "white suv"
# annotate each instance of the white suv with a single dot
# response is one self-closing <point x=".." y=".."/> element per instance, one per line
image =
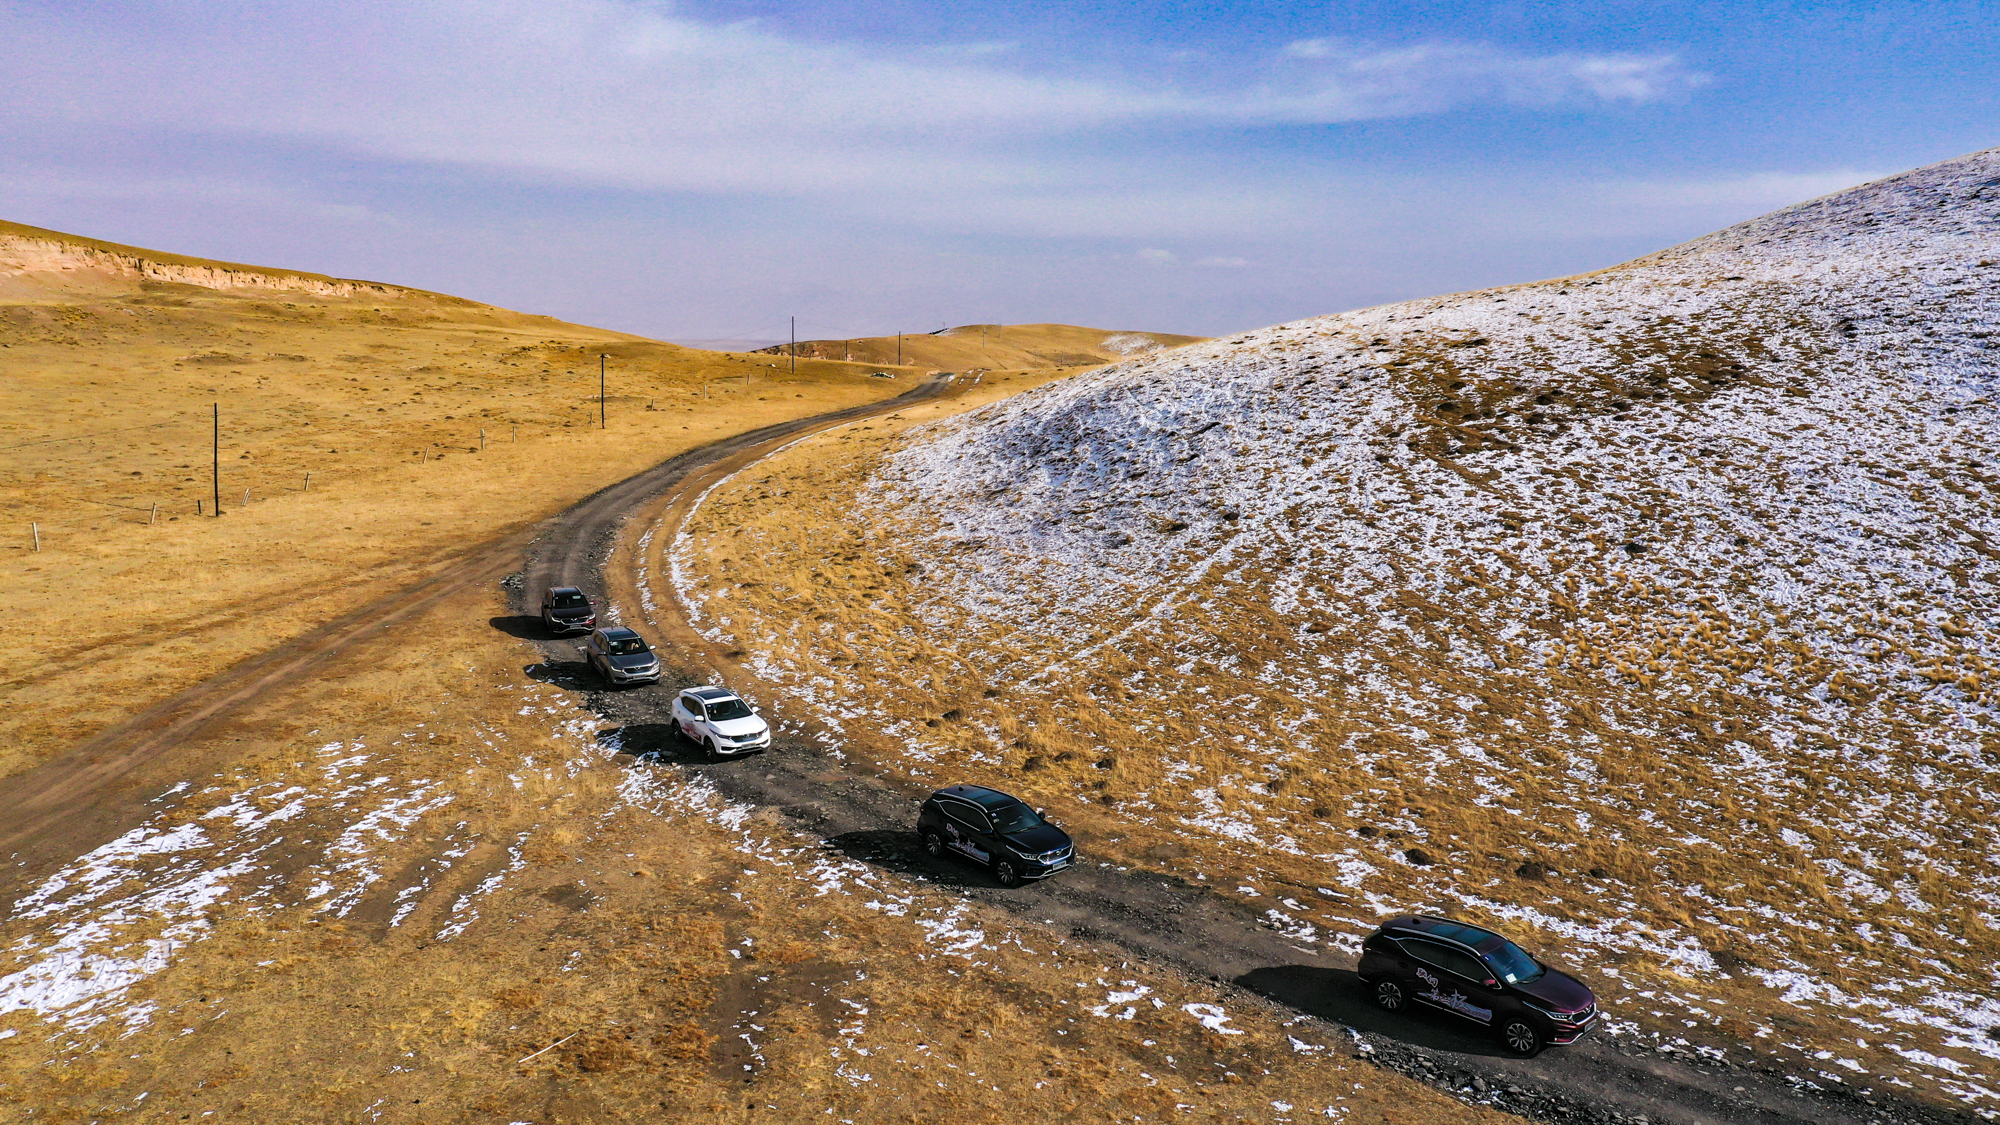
<point x="720" y="722"/>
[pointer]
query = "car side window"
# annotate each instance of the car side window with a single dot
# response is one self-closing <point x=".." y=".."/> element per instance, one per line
<point x="968" y="815"/>
<point x="1445" y="957"/>
<point x="1450" y="960"/>
<point x="693" y="708"/>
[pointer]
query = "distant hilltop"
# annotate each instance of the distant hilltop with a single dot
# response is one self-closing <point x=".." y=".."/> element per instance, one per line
<point x="990" y="347"/>
<point x="32" y="258"/>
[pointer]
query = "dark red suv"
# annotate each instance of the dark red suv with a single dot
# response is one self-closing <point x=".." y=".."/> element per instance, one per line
<point x="1477" y="975"/>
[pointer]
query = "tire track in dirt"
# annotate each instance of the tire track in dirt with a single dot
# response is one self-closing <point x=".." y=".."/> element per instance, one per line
<point x="1160" y="918"/>
<point x="97" y="790"/>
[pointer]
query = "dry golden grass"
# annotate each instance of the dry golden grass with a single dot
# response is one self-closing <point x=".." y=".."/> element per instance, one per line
<point x="111" y="358"/>
<point x="640" y="956"/>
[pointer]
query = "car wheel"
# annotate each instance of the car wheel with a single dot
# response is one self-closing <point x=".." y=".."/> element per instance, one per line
<point x="933" y="843"/>
<point x="709" y="751"/>
<point x="1005" y="871"/>
<point x="1389" y="996"/>
<point x="1520" y="1037"/>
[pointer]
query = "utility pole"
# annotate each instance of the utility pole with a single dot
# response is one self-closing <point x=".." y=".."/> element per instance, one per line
<point x="899" y="349"/>
<point x="215" y="449"/>
<point x="600" y="390"/>
<point x="795" y="347"/>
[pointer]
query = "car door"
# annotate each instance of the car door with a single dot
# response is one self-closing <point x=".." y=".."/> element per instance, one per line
<point x="692" y="720"/>
<point x="966" y="829"/>
<point x="1450" y="979"/>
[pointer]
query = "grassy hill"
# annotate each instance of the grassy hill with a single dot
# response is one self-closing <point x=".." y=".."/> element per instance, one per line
<point x="1647" y="615"/>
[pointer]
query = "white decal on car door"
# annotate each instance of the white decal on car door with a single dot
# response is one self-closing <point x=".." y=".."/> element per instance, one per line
<point x="1447" y="995"/>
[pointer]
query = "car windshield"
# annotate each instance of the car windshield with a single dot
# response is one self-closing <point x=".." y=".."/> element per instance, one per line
<point x="625" y="646"/>
<point x="721" y="709"/>
<point x="1017" y="817"/>
<point x="1512" y="964"/>
<point x="569" y="601"/>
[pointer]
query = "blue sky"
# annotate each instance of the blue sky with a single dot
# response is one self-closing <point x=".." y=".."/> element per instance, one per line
<point x="702" y="170"/>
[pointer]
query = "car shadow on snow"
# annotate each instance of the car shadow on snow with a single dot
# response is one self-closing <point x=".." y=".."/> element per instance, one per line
<point x="521" y="628"/>
<point x="1339" y="995"/>
<point x="652" y="742"/>
<point x="898" y="851"/>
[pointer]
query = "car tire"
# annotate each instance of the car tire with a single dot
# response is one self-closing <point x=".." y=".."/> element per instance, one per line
<point x="1006" y="873"/>
<point x="1520" y="1037"/>
<point x="709" y="751"/>
<point x="1389" y="995"/>
<point x="932" y="842"/>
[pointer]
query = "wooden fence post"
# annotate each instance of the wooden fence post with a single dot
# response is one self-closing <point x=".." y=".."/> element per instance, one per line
<point x="37" y="529"/>
<point x="154" y="516"/>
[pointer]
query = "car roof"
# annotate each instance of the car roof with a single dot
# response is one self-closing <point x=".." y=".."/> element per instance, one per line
<point x="1474" y="936"/>
<point x="712" y="694"/>
<point x="619" y="633"/>
<point x="978" y="795"/>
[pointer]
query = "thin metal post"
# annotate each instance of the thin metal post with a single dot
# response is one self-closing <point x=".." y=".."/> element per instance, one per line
<point x="246" y="499"/>
<point x="215" y="467"/>
<point x="600" y="390"/>
<point x="37" y="529"/>
<point x="309" y="483"/>
<point x="154" y="516"/>
<point x="795" y="349"/>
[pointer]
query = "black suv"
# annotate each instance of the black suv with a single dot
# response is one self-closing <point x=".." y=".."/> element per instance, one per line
<point x="566" y="610"/>
<point x="1477" y="975"/>
<point x="995" y="829"/>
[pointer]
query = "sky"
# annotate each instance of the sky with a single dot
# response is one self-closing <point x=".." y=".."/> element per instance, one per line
<point x="701" y="171"/>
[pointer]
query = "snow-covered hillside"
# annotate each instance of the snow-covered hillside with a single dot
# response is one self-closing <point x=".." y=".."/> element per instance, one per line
<point x="1677" y="579"/>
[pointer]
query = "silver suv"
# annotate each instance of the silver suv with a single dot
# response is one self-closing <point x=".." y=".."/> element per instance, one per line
<point x="620" y="656"/>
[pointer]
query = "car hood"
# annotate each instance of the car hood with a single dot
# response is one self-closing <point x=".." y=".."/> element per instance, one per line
<point x="1559" y="992"/>
<point x="1042" y="838"/>
<point x="737" y="728"/>
<point x="635" y="660"/>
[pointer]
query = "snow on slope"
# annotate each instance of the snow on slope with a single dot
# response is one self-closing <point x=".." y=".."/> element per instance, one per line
<point x="1688" y="565"/>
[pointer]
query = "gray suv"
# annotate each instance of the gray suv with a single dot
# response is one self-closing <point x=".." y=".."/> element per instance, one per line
<point x="620" y="656"/>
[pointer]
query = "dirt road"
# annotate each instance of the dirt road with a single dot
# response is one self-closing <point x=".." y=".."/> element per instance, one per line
<point x="91" y="794"/>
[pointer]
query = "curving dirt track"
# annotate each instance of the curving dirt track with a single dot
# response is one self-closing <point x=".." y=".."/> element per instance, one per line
<point x="1160" y="918"/>
<point x="89" y="795"/>
<point x="78" y="801"/>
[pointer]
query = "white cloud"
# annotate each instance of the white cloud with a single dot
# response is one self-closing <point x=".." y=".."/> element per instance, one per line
<point x="625" y="94"/>
<point x="1156" y="257"/>
<point x="1328" y="81"/>
<point x="1226" y="263"/>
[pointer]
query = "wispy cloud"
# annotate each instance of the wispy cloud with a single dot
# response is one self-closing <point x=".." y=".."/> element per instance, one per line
<point x="627" y="94"/>
<point x="1333" y="81"/>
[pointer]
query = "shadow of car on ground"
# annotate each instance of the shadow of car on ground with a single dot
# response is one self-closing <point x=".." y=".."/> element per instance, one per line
<point x="522" y="628"/>
<point x="1340" y="995"/>
<point x="576" y="675"/>
<point x="901" y="852"/>
<point x="652" y="742"/>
